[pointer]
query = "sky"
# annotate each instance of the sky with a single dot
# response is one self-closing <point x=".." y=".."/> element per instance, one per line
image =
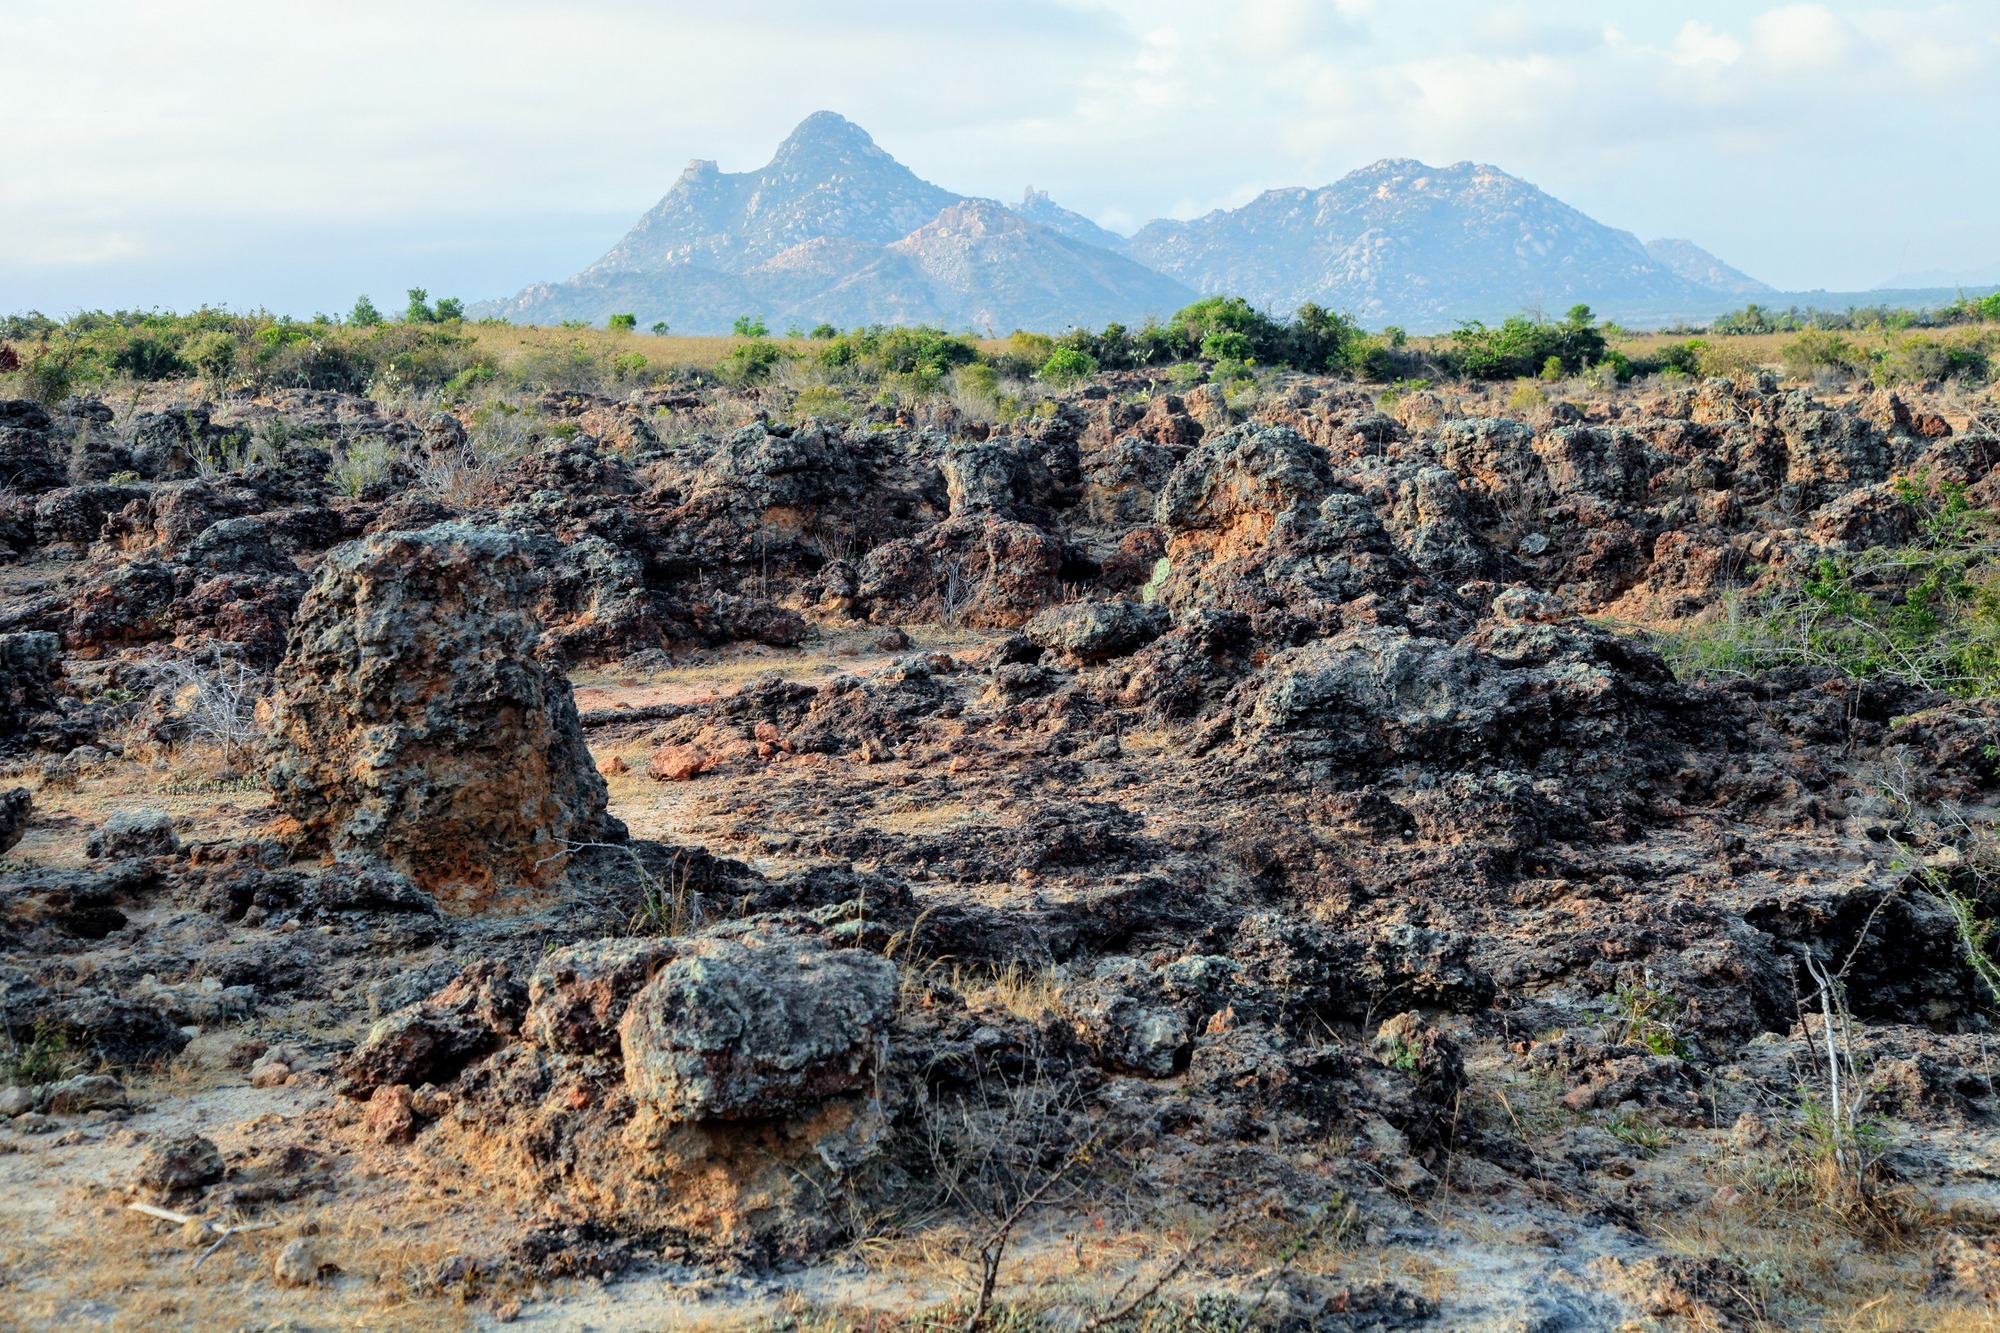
<point x="292" y="155"/>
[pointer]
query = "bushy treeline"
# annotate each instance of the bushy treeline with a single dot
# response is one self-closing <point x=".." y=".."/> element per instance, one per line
<point x="430" y="347"/>
<point x="427" y="348"/>
<point x="1755" y="319"/>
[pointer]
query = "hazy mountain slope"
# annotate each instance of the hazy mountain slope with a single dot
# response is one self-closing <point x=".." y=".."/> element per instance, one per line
<point x="1036" y="204"/>
<point x="1402" y="242"/>
<point x="834" y="229"/>
<point x="827" y="179"/>
<point x="1005" y="270"/>
<point x="1704" y="269"/>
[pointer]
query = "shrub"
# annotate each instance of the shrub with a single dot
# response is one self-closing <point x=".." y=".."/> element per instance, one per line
<point x="364" y="315"/>
<point x="1809" y="353"/>
<point x="1729" y="361"/>
<point x="361" y="464"/>
<point x="1927" y="359"/>
<point x="419" y="310"/>
<point x="1523" y="347"/>
<point x="750" y="326"/>
<point x="659" y="328"/>
<point x="750" y="362"/>
<point x="622" y="323"/>
<point x="149" y="358"/>
<point x="57" y="369"/>
<point x="212" y="354"/>
<point x="824" y="331"/>
<point x="1926" y="614"/>
<point x="1228" y="345"/>
<point x="923" y="352"/>
<point x="1067" y="366"/>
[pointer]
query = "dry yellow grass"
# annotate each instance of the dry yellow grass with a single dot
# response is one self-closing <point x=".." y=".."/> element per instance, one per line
<point x="509" y="343"/>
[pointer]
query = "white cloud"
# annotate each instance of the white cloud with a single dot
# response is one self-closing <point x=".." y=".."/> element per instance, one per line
<point x="401" y="124"/>
<point x="1699" y="44"/>
<point x="1802" y="37"/>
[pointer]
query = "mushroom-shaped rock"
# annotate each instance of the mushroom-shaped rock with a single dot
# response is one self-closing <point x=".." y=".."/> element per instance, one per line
<point x="414" y="726"/>
<point x="756" y="1027"/>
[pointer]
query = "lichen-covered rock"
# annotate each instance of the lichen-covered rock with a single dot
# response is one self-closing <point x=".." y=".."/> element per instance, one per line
<point x="178" y="1166"/>
<point x="578" y="994"/>
<point x="134" y="833"/>
<point x="756" y="1027"/>
<point x="414" y="725"/>
<point x="1093" y="631"/>
<point x="29" y="459"/>
<point x="30" y="665"/>
<point x="15" y="808"/>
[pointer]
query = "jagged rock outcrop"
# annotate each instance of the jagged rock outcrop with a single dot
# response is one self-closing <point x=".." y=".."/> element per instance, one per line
<point x="414" y="725"/>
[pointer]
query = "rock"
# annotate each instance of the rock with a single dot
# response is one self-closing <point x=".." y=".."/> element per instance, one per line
<point x="30" y="665"/>
<point x="1965" y="1268"/>
<point x="1094" y="631"/>
<point x="579" y="994"/>
<point x="433" y="1041"/>
<point x="84" y="1092"/>
<point x="390" y="1116"/>
<point x="1707" y="1292"/>
<point x="272" y="1074"/>
<point x="421" y="1044"/>
<point x="757" y="1027"/>
<point x="131" y="833"/>
<point x="179" y="1166"/>
<point x="16" y="1100"/>
<point x="15" y="808"/>
<point x="29" y="458"/>
<point x="300" y="1263"/>
<point x="413" y="724"/>
<point x="678" y="763"/>
<point x="406" y="988"/>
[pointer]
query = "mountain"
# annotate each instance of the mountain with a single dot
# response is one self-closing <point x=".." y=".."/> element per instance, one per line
<point x="1037" y="205"/>
<point x="836" y="230"/>
<point x="1404" y="243"/>
<point x="1978" y="275"/>
<point x="1704" y="269"/>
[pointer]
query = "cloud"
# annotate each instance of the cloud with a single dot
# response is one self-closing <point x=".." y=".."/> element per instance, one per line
<point x="422" y="120"/>
<point x="1802" y="37"/>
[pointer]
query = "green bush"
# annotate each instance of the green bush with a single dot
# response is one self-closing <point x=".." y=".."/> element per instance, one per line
<point x="750" y="326"/>
<point x="364" y="315"/>
<point x="1067" y="366"/>
<point x="1522" y="347"/>
<point x="926" y="353"/>
<point x="1924" y="614"/>
<point x="212" y="354"/>
<point x="144" y="357"/>
<point x="1810" y="353"/>
<point x="750" y="362"/>
<point x="622" y="323"/>
<point x="1916" y="359"/>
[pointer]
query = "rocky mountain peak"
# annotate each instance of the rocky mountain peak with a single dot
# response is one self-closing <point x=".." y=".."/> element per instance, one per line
<point x="828" y="139"/>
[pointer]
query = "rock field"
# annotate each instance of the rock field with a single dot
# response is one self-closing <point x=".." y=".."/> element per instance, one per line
<point x="1168" y="863"/>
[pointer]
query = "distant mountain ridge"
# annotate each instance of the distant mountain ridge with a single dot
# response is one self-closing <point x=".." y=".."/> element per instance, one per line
<point x="835" y="230"/>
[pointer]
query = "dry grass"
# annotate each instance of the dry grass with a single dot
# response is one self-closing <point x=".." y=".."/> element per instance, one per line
<point x="115" y="1269"/>
<point x="510" y="343"/>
